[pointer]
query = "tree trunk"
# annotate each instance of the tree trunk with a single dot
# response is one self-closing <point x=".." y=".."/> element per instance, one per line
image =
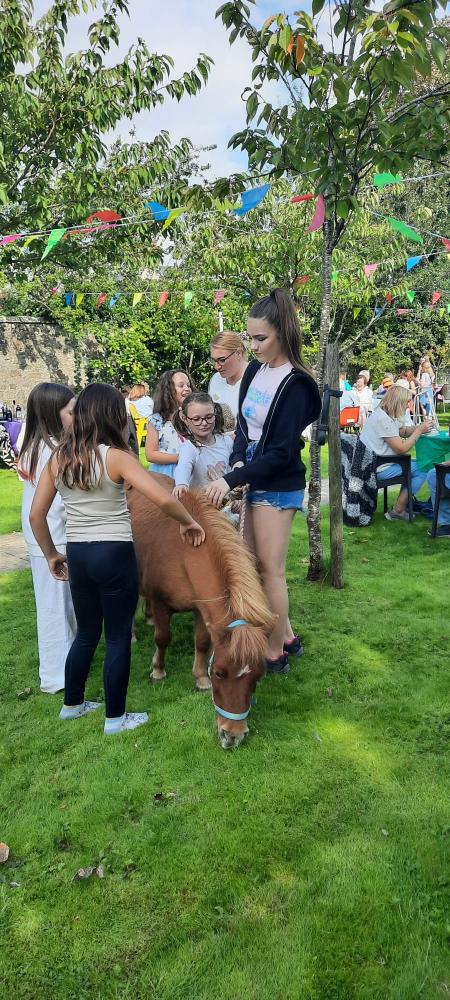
<point x="334" y="471"/>
<point x="314" y="532"/>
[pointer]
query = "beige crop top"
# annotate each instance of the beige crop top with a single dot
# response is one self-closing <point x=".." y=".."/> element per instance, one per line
<point x="97" y="515"/>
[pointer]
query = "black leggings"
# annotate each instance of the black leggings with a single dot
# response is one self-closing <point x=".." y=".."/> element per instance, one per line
<point x="103" y="579"/>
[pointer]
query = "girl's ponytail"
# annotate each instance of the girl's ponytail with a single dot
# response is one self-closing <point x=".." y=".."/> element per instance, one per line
<point x="278" y="310"/>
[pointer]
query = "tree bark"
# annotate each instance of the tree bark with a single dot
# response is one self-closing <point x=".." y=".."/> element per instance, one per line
<point x="334" y="471"/>
<point x="314" y="531"/>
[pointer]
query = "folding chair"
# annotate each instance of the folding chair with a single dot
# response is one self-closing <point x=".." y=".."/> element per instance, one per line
<point x="402" y="480"/>
<point x="349" y="419"/>
<point x="442" y="493"/>
<point x="140" y="424"/>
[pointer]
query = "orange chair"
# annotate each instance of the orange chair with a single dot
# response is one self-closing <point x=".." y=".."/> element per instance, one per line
<point x="349" y="418"/>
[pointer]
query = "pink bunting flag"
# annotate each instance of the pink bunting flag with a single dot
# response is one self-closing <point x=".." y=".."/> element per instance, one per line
<point x="446" y="243"/>
<point x="319" y="215"/>
<point x="370" y="269"/>
<point x="101" y="299"/>
<point x="163" y="298"/>
<point x="301" y="197"/>
<point x="54" y="290"/>
<point x="402" y="312"/>
<point x="218" y="296"/>
<point x="10" y="239"/>
<point x="435" y="298"/>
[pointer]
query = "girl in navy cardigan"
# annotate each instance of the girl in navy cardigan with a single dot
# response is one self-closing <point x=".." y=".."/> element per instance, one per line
<point x="277" y="400"/>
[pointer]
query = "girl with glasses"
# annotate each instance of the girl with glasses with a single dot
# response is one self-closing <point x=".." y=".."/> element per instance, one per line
<point x="205" y="452"/>
<point x="229" y="362"/>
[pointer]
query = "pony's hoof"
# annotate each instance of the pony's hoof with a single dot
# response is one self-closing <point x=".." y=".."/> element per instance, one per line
<point x="203" y="684"/>
<point x="157" y="677"/>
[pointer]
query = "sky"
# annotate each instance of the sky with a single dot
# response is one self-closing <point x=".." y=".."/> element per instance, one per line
<point x="183" y="29"/>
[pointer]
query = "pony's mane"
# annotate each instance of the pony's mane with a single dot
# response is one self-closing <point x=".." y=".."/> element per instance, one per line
<point x="244" y="592"/>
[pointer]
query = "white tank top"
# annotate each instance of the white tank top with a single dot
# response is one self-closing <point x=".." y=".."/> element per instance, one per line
<point x="97" y="515"/>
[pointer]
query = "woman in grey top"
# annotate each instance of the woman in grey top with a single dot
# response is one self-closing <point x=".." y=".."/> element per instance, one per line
<point x="88" y="469"/>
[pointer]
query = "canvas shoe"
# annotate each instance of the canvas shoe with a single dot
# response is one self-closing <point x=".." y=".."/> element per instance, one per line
<point x="393" y="515"/>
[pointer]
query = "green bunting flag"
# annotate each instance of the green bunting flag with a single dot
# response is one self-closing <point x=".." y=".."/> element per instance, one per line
<point x="188" y="296"/>
<point x="411" y="296"/>
<point x="55" y="236"/>
<point x="380" y="180"/>
<point x="405" y="230"/>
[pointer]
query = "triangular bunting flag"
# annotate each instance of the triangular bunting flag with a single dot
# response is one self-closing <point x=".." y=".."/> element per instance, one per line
<point x="380" y="180"/>
<point x="218" y="296"/>
<point x="114" y="299"/>
<point x="137" y="296"/>
<point x="188" y="296"/>
<point x="10" y="239"/>
<point x="79" y="298"/>
<point x="435" y="297"/>
<point x="402" y="312"/>
<point x="68" y="298"/>
<point x="411" y="296"/>
<point x="441" y="313"/>
<point x="446" y="243"/>
<point x="301" y="279"/>
<point x="401" y="227"/>
<point x="106" y="216"/>
<point x="30" y="240"/>
<point x="158" y="211"/>
<point x="318" y="218"/>
<point x="101" y="299"/>
<point x="412" y="262"/>
<point x="55" y="236"/>
<point x="378" y="311"/>
<point x="251" y="198"/>
<point x="175" y="212"/>
<point x="334" y="275"/>
<point x="163" y="298"/>
<point x="301" y="197"/>
<point x="356" y="312"/>
<point x="388" y="298"/>
<point x="370" y="269"/>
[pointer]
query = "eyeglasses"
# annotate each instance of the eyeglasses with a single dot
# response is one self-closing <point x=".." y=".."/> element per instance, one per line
<point x="218" y="362"/>
<point x="208" y="419"/>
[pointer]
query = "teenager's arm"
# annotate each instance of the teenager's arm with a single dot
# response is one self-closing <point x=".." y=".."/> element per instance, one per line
<point x="43" y="499"/>
<point x="152" y="452"/>
<point x="122" y="465"/>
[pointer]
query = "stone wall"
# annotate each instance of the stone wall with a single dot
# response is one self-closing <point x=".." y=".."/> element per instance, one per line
<point x="32" y="351"/>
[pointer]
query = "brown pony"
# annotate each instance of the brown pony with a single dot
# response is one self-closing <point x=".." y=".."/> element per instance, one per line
<point x="219" y="583"/>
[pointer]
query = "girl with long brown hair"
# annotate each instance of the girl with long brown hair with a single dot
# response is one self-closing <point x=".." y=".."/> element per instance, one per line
<point x="89" y="470"/>
<point x="278" y="399"/>
<point x="49" y="413"/>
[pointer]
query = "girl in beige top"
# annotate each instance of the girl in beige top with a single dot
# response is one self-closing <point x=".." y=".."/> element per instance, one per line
<point x="88" y="470"/>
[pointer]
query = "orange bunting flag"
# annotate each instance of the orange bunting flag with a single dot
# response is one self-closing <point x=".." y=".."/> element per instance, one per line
<point x="435" y="298"/>
<point x="388" y="298"/>
<point x="163" y="298"/>
<point x="446" y="243"/>
<point x="301" y="279"/>
<point x="301" y="197"/>
<point x="101" y="299"/>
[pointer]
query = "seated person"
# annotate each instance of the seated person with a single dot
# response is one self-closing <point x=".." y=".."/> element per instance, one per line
<point x="364" y="397"/>
<point x="142" y="402"/>
<point x="444" y="506"/>
<point x="384" y="433"/>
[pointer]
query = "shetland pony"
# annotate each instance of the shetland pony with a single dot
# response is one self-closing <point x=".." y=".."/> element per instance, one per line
<point x="218" y="581"/>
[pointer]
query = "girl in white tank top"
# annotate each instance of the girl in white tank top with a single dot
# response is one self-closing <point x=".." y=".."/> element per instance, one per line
<point x="88" y="470"/>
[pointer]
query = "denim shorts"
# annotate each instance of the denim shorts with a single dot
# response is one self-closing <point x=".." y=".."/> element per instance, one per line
<point x="281" y="500"/>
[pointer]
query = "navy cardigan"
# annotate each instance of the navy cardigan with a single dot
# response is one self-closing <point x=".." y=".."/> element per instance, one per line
<point x="276" y="464"/>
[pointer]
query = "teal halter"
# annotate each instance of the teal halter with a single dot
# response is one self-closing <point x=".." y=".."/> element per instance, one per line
<point x="234" y="716"/>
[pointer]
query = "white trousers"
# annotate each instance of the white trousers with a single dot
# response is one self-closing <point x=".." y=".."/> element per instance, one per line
<point x="56" y="624"/>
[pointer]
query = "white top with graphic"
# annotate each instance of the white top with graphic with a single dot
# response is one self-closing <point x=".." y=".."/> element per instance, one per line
<point x="200" y="464"/>
<point x="221" y="392"/>
<point x="260" y="393"/>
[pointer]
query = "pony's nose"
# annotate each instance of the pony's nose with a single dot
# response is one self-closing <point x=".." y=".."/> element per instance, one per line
<point x="229" y="741"/>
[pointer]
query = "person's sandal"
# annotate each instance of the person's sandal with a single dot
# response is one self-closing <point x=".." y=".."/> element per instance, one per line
<point x="278" y="666"/>
<point x="294" y="647"/>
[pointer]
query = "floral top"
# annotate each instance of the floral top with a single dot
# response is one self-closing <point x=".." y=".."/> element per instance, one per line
<point x="169" y="441"/>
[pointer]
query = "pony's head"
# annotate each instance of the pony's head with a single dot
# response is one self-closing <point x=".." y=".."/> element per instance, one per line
<point x="236" y="665"/>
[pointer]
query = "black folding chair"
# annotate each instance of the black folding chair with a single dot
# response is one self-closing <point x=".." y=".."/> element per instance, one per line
<point x="442" y="493"/>
<point x="402" y="480"/>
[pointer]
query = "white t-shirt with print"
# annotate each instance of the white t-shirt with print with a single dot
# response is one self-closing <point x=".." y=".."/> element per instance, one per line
<point x="260" y="393"/>
<point x="199" y="465"/>
<point x="377" y="428"/>
<point x="221" y="392"/>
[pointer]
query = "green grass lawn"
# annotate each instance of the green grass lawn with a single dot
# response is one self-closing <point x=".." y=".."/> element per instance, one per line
<point x="10" y="500"/>
<point x="310" y="864"/>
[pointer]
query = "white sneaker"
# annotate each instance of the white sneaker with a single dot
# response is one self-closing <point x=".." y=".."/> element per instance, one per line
<point x="78" y="710"/>
<point x="130" y="721"/>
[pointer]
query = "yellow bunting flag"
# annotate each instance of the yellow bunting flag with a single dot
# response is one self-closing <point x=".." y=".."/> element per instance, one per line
<point x="175" y="212"/>
<point x="136" y="298"/>
<point x="79" y="298"/>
